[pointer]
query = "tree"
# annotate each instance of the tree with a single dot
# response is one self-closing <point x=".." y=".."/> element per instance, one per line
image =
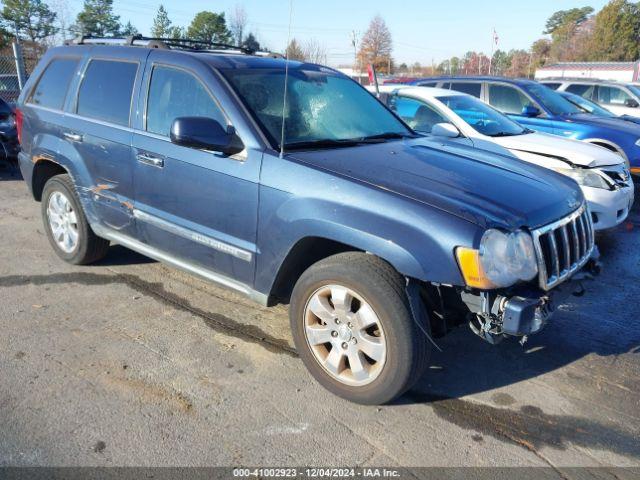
<point x="251" y="43"/>
<point x="616" y="32"/>
<point x="161" y="27"/>
<point x="176" y="32"/>
<point x="294" y="51"/>
<point x="376" y="45"/>
<point x="209" y="27"/>
<point x="500" y="62"/>
<point x="97" y="19"/>
<point x="564" y="17"/>
<point x="32" y="18"/>
<point x="540" y="51"/>
<point x="129" y="29"/>
<point x="454" y="64"/>
<point x="314" y="51"/>
<point x="238" y="24"/>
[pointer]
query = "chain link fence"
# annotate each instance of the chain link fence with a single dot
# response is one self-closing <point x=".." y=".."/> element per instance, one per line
<point x="16" y="64"/>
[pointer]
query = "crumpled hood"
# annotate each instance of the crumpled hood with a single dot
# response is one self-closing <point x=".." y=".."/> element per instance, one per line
<point x="484" y="188"/>
<point x="575" y="151"/>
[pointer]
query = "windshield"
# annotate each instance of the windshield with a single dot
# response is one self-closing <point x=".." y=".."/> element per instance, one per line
<point x="587" y="105"/>
<point x="552" y="100"/>
<point x="323" y="110"/>
<point x="481" y="117"/>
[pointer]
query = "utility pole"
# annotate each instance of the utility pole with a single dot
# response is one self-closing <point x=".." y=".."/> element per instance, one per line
<point x="17" y="55"/>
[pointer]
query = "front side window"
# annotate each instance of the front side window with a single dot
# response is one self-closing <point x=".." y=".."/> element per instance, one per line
<point x="508" y="99"/>
<point x="417" y="114"/>
<point x="467" y="87"/>
<point x="612" y="95"/>
<point x="51" y="90"/>
<point x="106" y="90"/>
<point x="175" y="93"/>
<point x="323" y="108"/>
<point x="481" y="117"/>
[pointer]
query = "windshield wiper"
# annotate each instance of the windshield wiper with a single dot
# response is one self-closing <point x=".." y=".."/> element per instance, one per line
<point x="507" y="134"/>
<point x="321" y="143"/>
<point x="387" y="136"/>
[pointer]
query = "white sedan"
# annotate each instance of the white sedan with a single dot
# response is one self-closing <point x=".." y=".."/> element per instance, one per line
<point x="463" y="119"/>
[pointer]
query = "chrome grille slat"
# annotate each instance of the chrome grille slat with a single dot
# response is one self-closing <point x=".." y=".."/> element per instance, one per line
<point x="563" y="247"/>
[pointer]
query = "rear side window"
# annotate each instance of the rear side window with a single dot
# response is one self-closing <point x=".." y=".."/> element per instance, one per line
<point x="507" y="99"/>
<point x="466" y="87"/>
<point x="52" y="87"/>
<point x="105" y="93"/>
<point x="175" y="93"/>
<point x="612" y="95"/>
<point x="585" y="91"/>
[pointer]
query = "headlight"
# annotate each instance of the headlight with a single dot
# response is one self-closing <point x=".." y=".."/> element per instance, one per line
<point x="584" y="177"/>
<point x="638" y="142"/>
<point x="502" y="260"/>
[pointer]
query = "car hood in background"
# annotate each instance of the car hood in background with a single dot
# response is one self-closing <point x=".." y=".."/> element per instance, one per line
<point x="615" y="123"/>
<point x="484" y="188"/>
<point x="574" y="151"/>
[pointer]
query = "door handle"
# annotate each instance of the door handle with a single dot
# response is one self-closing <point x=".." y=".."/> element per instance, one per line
<point x="73" y="137"/>
<point x="150" y="160"/>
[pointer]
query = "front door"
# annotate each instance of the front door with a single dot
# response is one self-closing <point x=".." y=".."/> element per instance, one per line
<point x="198" y="206"/>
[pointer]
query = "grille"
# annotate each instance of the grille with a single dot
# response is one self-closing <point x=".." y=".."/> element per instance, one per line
<point x="563" y="247"/>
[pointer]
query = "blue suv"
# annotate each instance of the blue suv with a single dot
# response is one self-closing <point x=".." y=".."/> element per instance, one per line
<point x="289" y="182"/>
<point x="538" y="107"/>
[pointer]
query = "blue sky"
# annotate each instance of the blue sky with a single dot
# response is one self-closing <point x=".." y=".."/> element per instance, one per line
<point x="422" y="30"/>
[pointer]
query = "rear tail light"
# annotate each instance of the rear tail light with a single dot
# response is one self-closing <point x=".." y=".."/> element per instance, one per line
<point x="19" y="119"/>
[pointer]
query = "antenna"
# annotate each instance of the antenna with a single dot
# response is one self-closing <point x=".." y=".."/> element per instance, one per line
<point x="286" y="80"/>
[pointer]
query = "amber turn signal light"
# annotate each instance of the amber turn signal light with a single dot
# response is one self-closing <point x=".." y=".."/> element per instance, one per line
<point x="469" y="263"/>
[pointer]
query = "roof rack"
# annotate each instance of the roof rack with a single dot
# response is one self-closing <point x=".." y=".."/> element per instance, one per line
<point x="167" y="44"/>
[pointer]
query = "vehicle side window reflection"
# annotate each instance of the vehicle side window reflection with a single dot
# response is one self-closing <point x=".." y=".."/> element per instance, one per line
<point x="507" y="99"/>
<point x="585" y="91"/>
<point x="612" y="95"/>
<point x="416" y="114"/>
<point x="176" y="93"/>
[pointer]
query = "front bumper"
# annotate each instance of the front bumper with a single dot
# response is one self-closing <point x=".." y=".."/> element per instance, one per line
<point x="609" y="208"/>
<point x="525" y="310"/>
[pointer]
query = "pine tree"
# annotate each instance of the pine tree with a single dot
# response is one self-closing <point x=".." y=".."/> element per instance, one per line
<point x="209" y="27"/>
<point x="32" y="18"/>
<point x="616" y="32"/>
<point x="161" y="24"/>
<point x="97" y="19"/>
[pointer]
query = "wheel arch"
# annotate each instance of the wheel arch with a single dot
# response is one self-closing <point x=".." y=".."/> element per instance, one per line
<point x="44" y="169"/>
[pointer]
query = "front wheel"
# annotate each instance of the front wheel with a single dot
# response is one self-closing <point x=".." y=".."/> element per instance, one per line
<point x="354" y="331"/>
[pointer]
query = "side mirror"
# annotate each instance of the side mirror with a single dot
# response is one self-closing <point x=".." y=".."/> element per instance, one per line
<point x="445" y="130"/>
<point x="206" y="134"/>
<point x="531" y="111"/>
<point x="631" y="103"/>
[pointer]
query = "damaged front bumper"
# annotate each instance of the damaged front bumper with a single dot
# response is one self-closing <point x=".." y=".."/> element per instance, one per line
<point x="523" y="311"/>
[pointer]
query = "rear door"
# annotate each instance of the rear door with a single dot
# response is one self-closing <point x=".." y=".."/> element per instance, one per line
<point x="198" y="206"/>
<point x="98" y="127"/>
<point x="511" y="100"/>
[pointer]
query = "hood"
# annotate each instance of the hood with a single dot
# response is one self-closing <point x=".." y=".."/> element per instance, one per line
<point x="574" y="151"/>
<point x="604" y="122"/>
<point x="481" y="187"/>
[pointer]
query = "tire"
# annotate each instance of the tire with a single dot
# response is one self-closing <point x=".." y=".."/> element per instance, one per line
<point x="88" y="247"/>
<point x="371" y="285"/>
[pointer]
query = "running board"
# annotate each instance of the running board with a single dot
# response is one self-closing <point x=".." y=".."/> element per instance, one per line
<point x="161" y="256"/>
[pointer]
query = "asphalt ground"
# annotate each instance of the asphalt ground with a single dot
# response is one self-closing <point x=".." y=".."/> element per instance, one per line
<point x="131" y="363"/>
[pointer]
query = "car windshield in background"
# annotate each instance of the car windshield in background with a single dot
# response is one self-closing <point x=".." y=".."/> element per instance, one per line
<point x="553" y="101"/>
<point x="634" y="89"/>
<point x="587" y="105"/>
<point x="481" y="117"/>
<point x="323" y="109"/>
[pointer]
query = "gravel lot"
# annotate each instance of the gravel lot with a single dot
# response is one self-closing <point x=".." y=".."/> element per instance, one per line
<point x="132" y="363"/>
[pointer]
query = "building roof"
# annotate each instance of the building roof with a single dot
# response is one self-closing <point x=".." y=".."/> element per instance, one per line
<point x="590" y="66"/>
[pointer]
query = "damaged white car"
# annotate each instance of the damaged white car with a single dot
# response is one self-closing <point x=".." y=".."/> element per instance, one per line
<point x="463" y="119"/>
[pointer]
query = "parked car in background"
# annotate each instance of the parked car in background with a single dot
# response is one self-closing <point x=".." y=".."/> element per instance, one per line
<point x="544" y="110"/>
<point x="619" y="98"/>
<point x="9" y="145"/>
<point x="593" y="108"/>
<point x="601" y="173"/>
<point x="376" y="238"/>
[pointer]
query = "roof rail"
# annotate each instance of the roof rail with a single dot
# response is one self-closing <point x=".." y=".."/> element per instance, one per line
<point x="165" y="43"/>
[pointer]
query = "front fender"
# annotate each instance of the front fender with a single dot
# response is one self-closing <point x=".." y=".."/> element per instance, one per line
<point x="419" y="241"/>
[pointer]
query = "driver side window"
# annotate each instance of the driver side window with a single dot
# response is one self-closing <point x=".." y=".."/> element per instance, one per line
<point x="176" y="93"/>
<point x="418" y="115"/>
<point x="507" y="99"/>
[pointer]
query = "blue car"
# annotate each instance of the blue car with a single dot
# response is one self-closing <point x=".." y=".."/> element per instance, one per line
<point x="542" y="109"/>
<point x="376" y="238"/>
<point x="594" y="109"/>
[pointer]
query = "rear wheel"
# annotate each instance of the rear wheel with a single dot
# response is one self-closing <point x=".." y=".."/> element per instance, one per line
<point x="66" y="225"/>
<point x="353" y="328"/>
